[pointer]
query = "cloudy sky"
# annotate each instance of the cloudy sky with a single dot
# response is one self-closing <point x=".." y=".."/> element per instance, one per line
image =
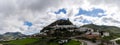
<point x="30" y="16"/>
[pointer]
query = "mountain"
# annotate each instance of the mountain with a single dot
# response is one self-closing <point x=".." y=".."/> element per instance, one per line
<point x="58" y="22"/>
<point x="1" y="36"/>
<point x="112" y="29"/>
<point x="15" y="34"/>
<point x="61" y="22"/>
<point x="11" y="35"/>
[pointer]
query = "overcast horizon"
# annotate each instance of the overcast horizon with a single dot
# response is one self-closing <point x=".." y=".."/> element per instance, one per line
<point x="30" y="16"/>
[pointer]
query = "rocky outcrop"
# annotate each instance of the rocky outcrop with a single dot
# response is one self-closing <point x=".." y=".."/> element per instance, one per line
<point x="58" y="22"/>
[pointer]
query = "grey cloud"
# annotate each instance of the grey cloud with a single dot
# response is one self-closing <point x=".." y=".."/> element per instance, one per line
<point x="11" y="7"/>
<point x="111" y="20"/>
<point x="38" y="5"/>
<point x="108" y="2"/>
<point x="7" y="7"/>
<point x="17" y="11"/>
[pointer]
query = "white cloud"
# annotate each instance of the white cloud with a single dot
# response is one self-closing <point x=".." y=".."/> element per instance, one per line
<point x="13" y="13"/>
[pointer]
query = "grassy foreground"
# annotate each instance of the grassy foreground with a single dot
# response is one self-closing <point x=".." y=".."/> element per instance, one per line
<point x="20" y="41"/>
<point x="73" y="42"/>
<point x="23" y="41"/>
<point x="38" y="41"/>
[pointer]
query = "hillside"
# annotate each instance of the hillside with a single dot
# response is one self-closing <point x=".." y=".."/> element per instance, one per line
<point x="58" y="22"/>
<point x="112" y="29"/>
<point x="11" y="35"/>
<point x="115" y="31"/>
<point x="38" y="41"/>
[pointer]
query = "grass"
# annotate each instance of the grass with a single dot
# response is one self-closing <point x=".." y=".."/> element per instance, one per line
<point x="30" y="41"/>
<point x="22" y="41"/>
<point x="118" y="41"/>
<point x="38" y="41"/>
<point x="53" y="43"/>
<point x="73" y="42"/>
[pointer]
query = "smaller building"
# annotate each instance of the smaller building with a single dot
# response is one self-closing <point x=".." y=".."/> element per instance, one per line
<point x="90" y="34"/>
<point x="93" y="36"/>
<point x="96" y="33"/>
<point x="42" y="33"/>
<point x="71" y="30"/>
<point x="64" y="26"/>
<point x="82" y="29"/>
<point x="63" y="41"/>
<point x="106" y="34"/>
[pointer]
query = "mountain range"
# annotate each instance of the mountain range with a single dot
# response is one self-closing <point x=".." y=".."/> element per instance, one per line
<point x="111" y="29"/>
<point x="11" y="35"/>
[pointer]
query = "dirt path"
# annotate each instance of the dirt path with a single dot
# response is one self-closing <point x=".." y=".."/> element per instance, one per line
<point x="89" y="43"/>
<point x="1" y="44"/>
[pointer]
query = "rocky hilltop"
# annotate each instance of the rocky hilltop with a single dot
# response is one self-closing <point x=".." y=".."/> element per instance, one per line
<point x="58" y="22"/>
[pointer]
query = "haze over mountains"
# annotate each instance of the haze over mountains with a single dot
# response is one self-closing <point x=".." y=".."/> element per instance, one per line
<point x="11" y="35"/>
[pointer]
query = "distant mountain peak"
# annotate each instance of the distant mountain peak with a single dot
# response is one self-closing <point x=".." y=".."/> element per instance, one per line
<point x="13" y="33"/>
<point x="61" y="22"/>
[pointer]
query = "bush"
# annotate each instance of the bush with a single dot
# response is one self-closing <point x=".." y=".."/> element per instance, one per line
<point x="118" y="41"/>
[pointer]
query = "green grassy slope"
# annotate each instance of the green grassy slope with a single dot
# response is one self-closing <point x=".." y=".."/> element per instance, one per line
<point x="38" y="41"/>
<point x="20" y="41"/>
<point x="73" y="42"/>
<point x="23" y="41"/>
<point x="112" y="29"/>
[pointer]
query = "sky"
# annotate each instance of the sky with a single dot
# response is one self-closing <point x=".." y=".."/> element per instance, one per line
<point x="30" y="16"/>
